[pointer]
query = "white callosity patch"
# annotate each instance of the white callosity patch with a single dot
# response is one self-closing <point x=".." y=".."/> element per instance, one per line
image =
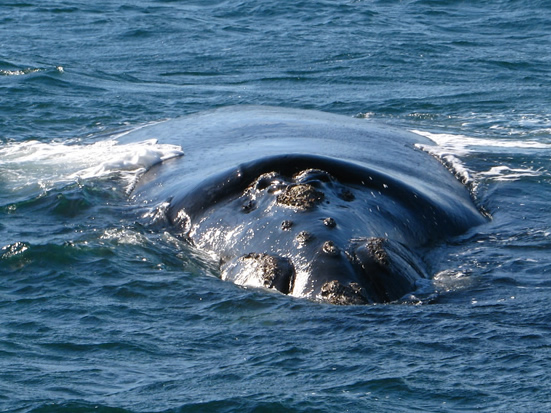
<point x="36" y="165"/>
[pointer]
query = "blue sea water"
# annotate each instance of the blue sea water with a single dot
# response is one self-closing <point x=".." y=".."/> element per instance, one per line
<point x="99" y="313"/>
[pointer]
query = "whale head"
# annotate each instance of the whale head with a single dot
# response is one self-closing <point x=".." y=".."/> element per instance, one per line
<point x="314" y="227"/>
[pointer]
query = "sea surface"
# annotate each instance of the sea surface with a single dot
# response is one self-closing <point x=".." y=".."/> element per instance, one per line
<point x="99" y="313"/>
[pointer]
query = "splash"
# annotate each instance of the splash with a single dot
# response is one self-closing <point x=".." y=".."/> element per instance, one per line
<point x="465" y="144"/>
<point x="451" y="148"/>
<point x="30" y="166"/>
<point x="448" y="151"/>
<point x="505" y="173"/>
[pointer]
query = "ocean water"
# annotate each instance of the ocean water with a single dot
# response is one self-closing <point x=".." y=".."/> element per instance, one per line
<point x="101" y="313"/>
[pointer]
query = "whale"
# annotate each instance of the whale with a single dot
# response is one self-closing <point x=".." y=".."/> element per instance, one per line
<point x="313" y="205"/>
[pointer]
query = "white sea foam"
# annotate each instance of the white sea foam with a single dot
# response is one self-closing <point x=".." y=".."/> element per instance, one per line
<point x="505" y="173"/>
<point x="450" y="148"/>
<point x="451" y="280"/>
<point x="32" y="164"/>
<point x="17" y="72"/>
<point x="465" y="144"/>
<point x="27" y="71"/>
<point x="123" y="236"/>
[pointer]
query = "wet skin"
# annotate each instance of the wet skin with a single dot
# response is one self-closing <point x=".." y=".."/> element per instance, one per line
<point x="311" y="226"/>
<point x="345" y="230"/>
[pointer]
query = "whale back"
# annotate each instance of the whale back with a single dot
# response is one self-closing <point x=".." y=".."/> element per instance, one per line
<point x="310" y="204"/>
<point x="217" y="142"/>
